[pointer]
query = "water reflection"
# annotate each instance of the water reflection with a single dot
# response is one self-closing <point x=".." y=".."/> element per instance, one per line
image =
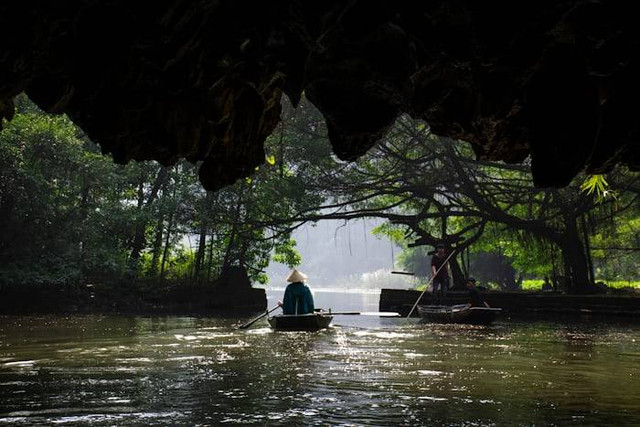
<point x="180" y="370"/>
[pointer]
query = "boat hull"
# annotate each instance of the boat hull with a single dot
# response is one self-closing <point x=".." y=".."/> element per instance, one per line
<point x="459" y="314"/>
<point x="300" y="322"/>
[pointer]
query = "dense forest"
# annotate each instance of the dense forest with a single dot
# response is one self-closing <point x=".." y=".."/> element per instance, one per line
<point x="70" y="216"/>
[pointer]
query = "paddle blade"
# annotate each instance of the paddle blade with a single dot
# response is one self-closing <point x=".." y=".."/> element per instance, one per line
<point x="246" y="325"/>
<point x="365" y="313"/>
<point x="381" y="313"/>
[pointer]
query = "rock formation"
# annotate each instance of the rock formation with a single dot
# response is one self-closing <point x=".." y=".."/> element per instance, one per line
<point x="203" y="79"/>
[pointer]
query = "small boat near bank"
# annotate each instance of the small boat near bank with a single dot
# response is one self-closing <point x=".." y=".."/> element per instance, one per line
<point x="459" y="314"/>
<point x="301" y="322"/>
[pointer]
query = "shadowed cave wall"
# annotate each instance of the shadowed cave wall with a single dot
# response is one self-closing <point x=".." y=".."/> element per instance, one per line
<point x="556" y="80"/>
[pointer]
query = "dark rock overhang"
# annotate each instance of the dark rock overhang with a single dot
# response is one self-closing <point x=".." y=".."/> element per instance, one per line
<point x="557" y="80"/>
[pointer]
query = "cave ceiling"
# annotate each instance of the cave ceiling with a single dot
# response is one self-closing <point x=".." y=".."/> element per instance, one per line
<point x="203" y="80"/>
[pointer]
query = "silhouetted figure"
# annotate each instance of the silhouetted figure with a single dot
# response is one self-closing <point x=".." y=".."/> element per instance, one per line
<point x="475" y="299"/>
<point x="441" y="279"/>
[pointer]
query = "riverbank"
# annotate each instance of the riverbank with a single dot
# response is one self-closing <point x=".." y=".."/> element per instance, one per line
<point x="166" y="298"/>
<point x="230" y="293"/>
<point x="514" y="303"/>
<point x="172" y="298"/>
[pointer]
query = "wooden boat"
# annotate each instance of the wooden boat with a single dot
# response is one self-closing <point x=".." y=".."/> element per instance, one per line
<point x="301" y="322"/>
<point x="459" y="314"/>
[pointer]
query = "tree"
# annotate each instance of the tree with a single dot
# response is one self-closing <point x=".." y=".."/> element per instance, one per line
<point x="56" y="210"/>
<point x="69" y="214"/>
<point x="436" y="191"/>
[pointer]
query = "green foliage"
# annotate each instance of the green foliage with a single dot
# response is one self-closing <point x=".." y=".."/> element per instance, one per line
<point x="623" y="284"/>
<point x="286" y="253"/>
<point x="416" y="260"/>
<point x="432" y="189"/>
<point x="532" y="284"/>
<point x="615" y="244"/>
<point x="534" y="257"/>
<point x="598" y="186"/>
<point x="392" y="232"/>
<point x="69" y="215"/>
<point x="51" y="208"/>
<point x="180" y="264"/>
<point x="536" y="285"/>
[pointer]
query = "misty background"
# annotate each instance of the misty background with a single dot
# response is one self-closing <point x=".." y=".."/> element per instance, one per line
<point x="343" y="255"/>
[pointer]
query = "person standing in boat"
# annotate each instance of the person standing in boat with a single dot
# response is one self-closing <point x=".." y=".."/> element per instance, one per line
<point x="475" y="299"/>
<point x="297" y="297"/>
<point x="441" y="279"/>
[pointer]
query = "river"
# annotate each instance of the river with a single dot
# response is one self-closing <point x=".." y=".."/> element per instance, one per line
<point x="116" y="370"/>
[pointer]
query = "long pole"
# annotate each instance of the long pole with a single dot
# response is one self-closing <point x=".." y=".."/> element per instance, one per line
<point x="366" y="313"/>
<point x="246" y="325"/>
<point x="444" y="264"/>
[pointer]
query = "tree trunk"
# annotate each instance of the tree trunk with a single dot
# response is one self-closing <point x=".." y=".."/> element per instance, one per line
<point x="508" y="277"/>
<point x="139" y="239"/>
<point x="202" y="244"/>
<point x="157" y="248"/>
<point x="575" y="261"/>
<point x="229" y="253"/>
<point x="458" y="281"/>
<point x="210" y="261"/>
<point x="202" y="241"/>
<point x="85" y="193"/>
<point x="167" y="240"/>
<point x="587" y="248"/>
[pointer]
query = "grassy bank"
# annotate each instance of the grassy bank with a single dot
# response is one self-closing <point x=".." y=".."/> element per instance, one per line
<point x="536" y="284"/>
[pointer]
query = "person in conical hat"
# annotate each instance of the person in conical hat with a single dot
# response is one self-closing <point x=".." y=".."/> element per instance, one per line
<point x="297" y="276"/>
<point x="297" y="296"/>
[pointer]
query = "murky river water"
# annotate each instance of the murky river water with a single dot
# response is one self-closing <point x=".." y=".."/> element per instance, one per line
<point x="111" y="370"/>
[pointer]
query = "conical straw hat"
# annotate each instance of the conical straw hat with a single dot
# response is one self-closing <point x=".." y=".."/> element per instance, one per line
<point x="296" y="276"/>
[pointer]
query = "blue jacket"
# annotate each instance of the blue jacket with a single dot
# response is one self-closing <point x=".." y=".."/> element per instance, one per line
<point x="297" y="299"/>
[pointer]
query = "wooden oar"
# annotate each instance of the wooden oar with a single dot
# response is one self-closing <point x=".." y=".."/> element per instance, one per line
<point x="364" y="313"/>
<point x="406" y="273"/>
<point x="246" y="325"/>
